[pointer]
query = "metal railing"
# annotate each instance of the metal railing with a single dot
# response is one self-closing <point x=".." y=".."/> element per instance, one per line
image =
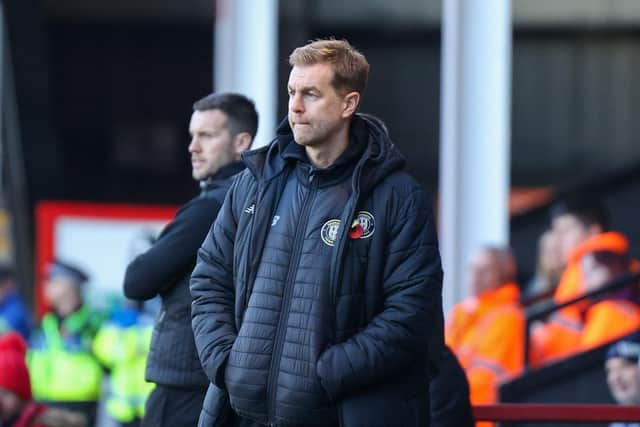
<point x="552" y="413"/>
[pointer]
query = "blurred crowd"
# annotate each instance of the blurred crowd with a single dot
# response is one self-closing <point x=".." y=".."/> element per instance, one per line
<point x="579" y="258"/>
<point x="75" y="360"/>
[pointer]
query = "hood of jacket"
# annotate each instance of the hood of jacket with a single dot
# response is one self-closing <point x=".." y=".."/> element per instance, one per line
<point x="380" y="157"/>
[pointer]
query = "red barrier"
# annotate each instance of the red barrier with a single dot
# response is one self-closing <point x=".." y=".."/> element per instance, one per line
<point x="555" y="412"/>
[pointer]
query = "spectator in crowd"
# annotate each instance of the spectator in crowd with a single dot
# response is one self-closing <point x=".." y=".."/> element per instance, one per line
<point x="607" y="317"/>
<point x="222" y="127"/>
<point x="64" y="370"/>
<point x="486" y="330"/>
<point x="17" y="408"/>
<point x="14" y="315"/>
<point x="610" y="316"/>
<point x="623" y="374"/>
<point x="578" y="221"/>
<point x="549" y="267"/>
<point x="317" y="292"/>
<point x="580" y="224"/>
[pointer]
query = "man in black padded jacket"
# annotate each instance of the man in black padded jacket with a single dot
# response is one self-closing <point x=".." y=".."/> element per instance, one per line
<point x="317" y="293"/>
<point x="222" y="127"/>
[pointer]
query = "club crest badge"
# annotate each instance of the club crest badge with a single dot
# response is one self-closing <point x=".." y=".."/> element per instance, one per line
<point x="363" y="226"/>
<point x="329" y="231"/>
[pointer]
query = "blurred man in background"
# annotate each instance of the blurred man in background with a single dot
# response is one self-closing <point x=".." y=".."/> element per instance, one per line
<point x="581" y="225"/>
<point x="581" y="220"/>
<point x="613" y="315"/>
<point x="222" y="127"/>
<point x="486" y="330"/>
<point x="623" y="373"/>
<point x="549" y="267"/>
<point x="64" y="370"/>
<point x="13" y="312"/>
<point x="600" y="319"/>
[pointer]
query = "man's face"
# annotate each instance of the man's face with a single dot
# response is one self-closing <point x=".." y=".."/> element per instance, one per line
<point x="211" y="144"/>
<point x="594" y="274"/>
<point x="484" y="273"/>
<point x="571" y="233"/>
<point x="63" y="294"/>
<point x="549" y="253"/>
<point x="10" y="404"/>
<point x="316" y="109"/>
<point x="623" y="378"/>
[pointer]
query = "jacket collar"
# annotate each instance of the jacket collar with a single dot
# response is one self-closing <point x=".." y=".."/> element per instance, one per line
<point x="226" y="171"/>
<point x="508" y="293"/>
<point x="341" y="168"/>
<point x="378" y="159"/>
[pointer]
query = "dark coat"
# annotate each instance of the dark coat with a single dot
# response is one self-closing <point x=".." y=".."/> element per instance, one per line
<point x="165" y="270"/>
<point x="449" y="389"/>
<point x="305" y="321"/>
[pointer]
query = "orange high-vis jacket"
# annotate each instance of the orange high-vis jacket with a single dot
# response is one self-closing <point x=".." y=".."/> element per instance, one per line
<point x="602" y="323"/>
<point x="562" y="334"/>
<point x="487" y="335"/>
<point x="570" y="285"/>
<point x="607" y="321"/>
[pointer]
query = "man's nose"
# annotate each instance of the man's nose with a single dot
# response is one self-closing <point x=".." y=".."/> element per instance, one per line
<point x="296" y="104"/>
<point x="193" y="145"/>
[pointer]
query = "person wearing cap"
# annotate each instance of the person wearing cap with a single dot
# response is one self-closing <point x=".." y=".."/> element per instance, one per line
<point x="64" y="369"/>
<point x="222" y="127"/>
<point x="17" y="407"/>
<point x="13" y="312"/>
<point x="623" y="373"/>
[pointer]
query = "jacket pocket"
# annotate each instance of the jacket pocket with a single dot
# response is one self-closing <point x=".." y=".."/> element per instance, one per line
<point x="379" y="406"/>
<point x="400" y="403"/>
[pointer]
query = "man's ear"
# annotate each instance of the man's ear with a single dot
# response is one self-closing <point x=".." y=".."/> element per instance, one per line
<point x="241" y="143"/>
<point x="350" y="104"/>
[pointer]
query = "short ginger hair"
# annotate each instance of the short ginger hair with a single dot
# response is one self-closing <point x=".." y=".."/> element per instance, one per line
<point x="350" y="67"/>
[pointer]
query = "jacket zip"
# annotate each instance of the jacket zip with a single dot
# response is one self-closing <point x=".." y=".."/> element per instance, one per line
<point x="286" y="298"/>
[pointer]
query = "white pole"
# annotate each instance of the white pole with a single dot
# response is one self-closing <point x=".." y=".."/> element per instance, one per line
<point x="475" y="134"/>
<point x="246" y="54"/>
